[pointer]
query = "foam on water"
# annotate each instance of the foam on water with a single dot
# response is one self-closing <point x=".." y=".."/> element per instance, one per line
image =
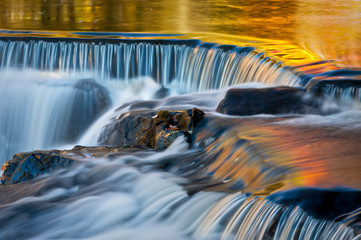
<point x="347" y="119"/>
<point x="37" y="106"/>
<point x="133" y="196"/>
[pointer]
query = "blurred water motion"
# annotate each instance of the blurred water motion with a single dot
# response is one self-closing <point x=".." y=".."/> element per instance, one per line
<point x="264" y="155"/>
<point x="328" y="28"/>
<point x="218" y="188"/>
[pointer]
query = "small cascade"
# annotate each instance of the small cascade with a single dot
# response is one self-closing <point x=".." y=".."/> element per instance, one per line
<point x="192" y="64"/>
<point x="53" y="90"/>
<point x="234" y="158"/>
<point x="345" y="91"/>
<point x="39" y="112"/>
<point x="43" y="105"/>
<point x="237" y="216"/>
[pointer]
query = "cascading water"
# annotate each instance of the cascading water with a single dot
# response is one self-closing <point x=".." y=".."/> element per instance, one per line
<point x="39" y="105"/>
<point x="194" y="65"/>
<point x="40" y="111"/>
<point x="53" y="90"/>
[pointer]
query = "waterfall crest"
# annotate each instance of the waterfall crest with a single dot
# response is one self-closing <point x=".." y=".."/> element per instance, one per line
<point x="193" y="64"/>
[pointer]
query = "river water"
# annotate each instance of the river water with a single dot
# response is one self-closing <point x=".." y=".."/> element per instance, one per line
<point x="66" y="67"/>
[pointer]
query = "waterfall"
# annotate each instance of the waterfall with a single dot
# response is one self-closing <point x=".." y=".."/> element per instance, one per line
<point x="54" y="89"/>
<point x="43" y="103"/>
<point x="193" y="64"/>
<point x="239" y="217"/>
<point x="40" y="111"/>
<point x="345" y="91"/>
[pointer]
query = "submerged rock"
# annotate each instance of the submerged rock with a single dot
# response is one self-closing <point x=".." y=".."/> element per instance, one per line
<point x="150" y="129"/>
<point x="276" y="100"/>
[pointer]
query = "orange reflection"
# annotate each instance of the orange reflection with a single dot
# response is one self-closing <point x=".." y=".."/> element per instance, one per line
<point x="331" y="29"/>
<point x="292" y="31"/>
<point x="275" y="155"/>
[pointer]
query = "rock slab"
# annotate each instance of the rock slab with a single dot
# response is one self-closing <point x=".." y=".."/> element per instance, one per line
<point x="275" y="100"/>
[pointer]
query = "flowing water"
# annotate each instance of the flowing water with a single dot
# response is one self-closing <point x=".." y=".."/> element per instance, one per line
<point x="63" y="77"/>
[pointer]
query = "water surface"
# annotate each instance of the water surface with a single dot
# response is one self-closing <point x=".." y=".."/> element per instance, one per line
<point x="327" y="29"/>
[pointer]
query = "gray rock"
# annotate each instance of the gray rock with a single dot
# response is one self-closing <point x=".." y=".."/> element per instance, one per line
<point x="276" y="100"/>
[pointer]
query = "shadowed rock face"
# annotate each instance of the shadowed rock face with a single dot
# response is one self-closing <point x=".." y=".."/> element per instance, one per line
<point x="90" y="101"/>
<point x="251" y="101"/>
<point x="27" y="166"/>
<point x="150" y="129"/>
<point x="348" y="88"/>
<point x="162" y="93"/>
<point x="318" y="85"/>
<point x="329" y="204"/>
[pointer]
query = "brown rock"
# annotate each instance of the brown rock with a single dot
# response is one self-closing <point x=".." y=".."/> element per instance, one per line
<point x="144" y="129"/>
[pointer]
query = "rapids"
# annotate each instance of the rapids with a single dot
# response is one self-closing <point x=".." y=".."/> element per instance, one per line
<point x="57" y="93"/>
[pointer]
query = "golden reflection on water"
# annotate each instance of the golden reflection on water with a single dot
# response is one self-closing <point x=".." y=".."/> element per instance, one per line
<point x="281" y="156"/>
<point x="305" y="30"/>
<point x="331" y="29"/>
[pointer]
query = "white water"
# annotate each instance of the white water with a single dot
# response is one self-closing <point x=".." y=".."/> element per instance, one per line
<point x="194" y="66"/>
<point x="130" y="197"/>
<point x="38" y="79"/>
<point x="33" y="110"/>
<point x="102" y="199"/>
<point x="36" y="108"/>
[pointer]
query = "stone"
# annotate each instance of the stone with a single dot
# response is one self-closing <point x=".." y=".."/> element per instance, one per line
<point x="149" y="129"/>
<point x="129" y="129"/>
<point x="329" y="204"/>
<point x="143" y="105"/>
<point x="275" y="100"/>
<point x="27" y="166"/>
<point x="324" y="87"/>
<point x="166" y="138"/>
<point x="161" y="93"/>
<point x="90" y="101"/>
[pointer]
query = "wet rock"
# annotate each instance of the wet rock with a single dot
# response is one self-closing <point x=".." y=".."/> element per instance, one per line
<point x="27" y="166"/>
<point x="276" y="100"/>
<point x="329" y="204"/>
<point x="143" y="105"/>
<point x="125" y="105"/>
<point x="165" y="138"/>
<point x="150" y="129"/>
<point x="130" y="129"/>
<point x="90" y="101"/>
<point x="162" y="93"/>
<point x="335" y="87"/>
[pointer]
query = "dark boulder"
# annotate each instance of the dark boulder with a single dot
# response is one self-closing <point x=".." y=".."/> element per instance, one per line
<point x="149" y="129"/>
<point x="90" y="100"/>
<point x="275" y="100"/>
<point x="335" y="88"/>
<point x="329" y="204"/>
<point x="129" y="129"/>
<point x="27" y="166"/>
<point x="161" y="93"/>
